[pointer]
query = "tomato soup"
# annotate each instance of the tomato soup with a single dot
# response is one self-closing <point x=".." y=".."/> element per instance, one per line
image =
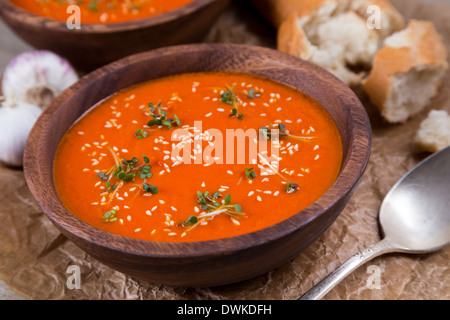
<point x="101" y="11"/>
<point x="197" y="156"/>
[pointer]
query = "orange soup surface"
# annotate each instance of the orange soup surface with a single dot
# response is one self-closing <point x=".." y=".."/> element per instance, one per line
<point x="100" y="11"/>
<point x="197" y="156"/>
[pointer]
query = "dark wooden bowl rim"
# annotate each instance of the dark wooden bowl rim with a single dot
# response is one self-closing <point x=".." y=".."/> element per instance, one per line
<point x="94" y="28"/>
<point x="350" y="175"/>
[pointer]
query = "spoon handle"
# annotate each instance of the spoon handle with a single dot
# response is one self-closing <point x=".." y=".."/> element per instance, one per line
<point x="328" y="283"/>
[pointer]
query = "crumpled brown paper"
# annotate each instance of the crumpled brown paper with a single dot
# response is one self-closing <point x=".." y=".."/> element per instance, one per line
<point x="34" y="257"/>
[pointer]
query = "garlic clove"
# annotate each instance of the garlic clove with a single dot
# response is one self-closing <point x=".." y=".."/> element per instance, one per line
<point x="36" y="77"/>
<point x="16" y="123"/>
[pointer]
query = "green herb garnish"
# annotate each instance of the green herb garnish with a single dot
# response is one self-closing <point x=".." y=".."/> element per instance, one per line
<point x="109" y="216"/>
<point x="210" y="203"/>
<point x="250" y="173"/>
<point x="291" y="187"/>
<point x="150" y="189"/>
<point x="160" y="117"/>
<point x="267" y="133"/>
<point x="93" y="6"/>
<point x="229" y="97"/>
<point x="127" y="170"/>
<point x="141" y="134"/>
<point x="253" y="94"/>
<point x="192" y="220"/>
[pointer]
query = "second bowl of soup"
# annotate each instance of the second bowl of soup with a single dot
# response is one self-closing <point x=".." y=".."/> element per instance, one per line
<point x="94" y="33"/>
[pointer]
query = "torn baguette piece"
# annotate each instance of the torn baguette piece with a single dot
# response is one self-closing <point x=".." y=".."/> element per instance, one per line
<point x="334" y="34"/>
<point x="434" y="132"/>
<point x="407" y="71"/>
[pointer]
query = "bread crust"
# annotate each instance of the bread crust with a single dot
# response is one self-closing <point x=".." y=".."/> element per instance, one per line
<point x="292" y="39"/>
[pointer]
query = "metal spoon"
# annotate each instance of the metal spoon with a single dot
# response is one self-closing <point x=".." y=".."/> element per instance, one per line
<point x="414" y="218"/>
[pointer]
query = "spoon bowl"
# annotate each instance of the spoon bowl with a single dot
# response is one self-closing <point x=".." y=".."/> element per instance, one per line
<point x="415" y="213"/>
<point x="414" y="218"/>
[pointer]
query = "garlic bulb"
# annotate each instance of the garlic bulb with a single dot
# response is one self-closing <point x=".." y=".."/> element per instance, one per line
<point x="30" y="82"/>
<point x="16" y="122"/>
<point x="36" y="77"/>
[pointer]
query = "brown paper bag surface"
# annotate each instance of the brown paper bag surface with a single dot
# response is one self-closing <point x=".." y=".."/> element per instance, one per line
<point x="34" y="257"/>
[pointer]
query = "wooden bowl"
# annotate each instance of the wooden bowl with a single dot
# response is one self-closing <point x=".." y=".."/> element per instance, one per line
<point x="95" y="45"/>
<point x="206" y="263"/>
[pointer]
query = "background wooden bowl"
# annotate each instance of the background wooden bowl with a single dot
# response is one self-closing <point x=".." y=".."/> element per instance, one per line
<point x="215" y="262"/>
<point x="95" y="45"/>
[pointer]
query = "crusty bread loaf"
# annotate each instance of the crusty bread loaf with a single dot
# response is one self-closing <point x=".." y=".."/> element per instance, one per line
<point x="434" y="132"/>
<point x="334" y="34"/>
<point x="407" y="71"/>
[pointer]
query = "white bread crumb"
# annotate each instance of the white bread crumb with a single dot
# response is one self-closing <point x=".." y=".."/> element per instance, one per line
<point x="434" y="132"/>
